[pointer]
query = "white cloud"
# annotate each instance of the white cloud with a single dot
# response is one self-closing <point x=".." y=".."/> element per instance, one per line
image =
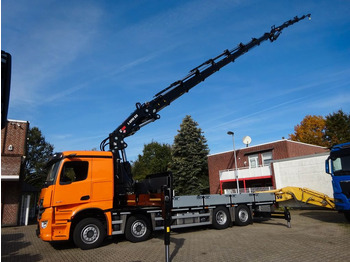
<point x="336" y="102"/>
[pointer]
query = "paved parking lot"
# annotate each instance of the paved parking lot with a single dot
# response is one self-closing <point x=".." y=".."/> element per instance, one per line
<point x="316" y="235"/>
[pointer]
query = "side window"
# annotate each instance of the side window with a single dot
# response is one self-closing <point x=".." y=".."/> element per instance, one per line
<point x="74" y="171"/>
<point x="253" y="161"/>
<point x="267" y="158"/>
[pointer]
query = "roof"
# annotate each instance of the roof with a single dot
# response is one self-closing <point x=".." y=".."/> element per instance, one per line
<point x="18" y="121"/>
<point x="270" y="143"/>
<point x="325" y="154"/>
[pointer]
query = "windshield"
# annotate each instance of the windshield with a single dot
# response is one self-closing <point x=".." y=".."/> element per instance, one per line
<point x="52" y="173"/>
<point x="341" y="165"/>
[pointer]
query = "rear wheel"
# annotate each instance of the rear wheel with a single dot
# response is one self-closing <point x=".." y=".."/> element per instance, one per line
<point x="89" y="233"/>
<point x="138" y="228"/>
<point x="347" y="215"/>
<point x="243" y="216"/>
<point x="221" y="218"/>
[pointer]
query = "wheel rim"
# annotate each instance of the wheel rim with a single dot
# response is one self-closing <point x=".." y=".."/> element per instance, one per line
<point x="138" y="229"/>
<point x="90" y="234"/>
<point x="243" y="215"/>
<point x="221" y="217"/>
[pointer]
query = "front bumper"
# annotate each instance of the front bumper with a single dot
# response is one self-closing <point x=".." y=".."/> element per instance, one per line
<point x="52" y="227"/>
<point x="45" y="233"/>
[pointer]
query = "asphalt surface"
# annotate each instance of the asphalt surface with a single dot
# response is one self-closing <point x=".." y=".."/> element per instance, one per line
<point x="315" y="235"/>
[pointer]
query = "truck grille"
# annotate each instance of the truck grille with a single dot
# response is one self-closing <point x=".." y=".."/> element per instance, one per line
<point x="345" y="187"/>
<point x="41" y="209"/>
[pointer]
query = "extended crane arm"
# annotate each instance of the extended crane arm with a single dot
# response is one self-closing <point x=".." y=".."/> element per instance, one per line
<point x="147" y="112"/>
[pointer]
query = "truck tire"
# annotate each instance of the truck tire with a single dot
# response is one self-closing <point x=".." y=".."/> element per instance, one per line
<point x="221" y="218"/>
<point x="347" y="215"/>
<point x="243" y="216"/>
<point x="89" y="233"/>
<point x="138" y="228"/>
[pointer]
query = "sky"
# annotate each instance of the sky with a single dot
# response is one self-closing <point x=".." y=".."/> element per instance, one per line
<point x="79" y="67"/>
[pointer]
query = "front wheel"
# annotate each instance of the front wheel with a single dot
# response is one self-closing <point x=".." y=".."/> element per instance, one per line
<point x="89" y="233"/>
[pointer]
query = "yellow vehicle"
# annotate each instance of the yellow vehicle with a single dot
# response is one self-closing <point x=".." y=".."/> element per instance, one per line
<point x="304" y="195"/>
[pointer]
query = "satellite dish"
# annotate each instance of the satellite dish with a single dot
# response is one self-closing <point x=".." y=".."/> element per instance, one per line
<point x="247" y="140"/>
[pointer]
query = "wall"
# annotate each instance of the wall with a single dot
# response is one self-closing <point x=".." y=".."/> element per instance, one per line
<point x="10" y="193"/>
<point x="281" y="149"/>
<point x="307" y="171"/>
<point x="13" y="150"/>
<point x="215" y="164"/>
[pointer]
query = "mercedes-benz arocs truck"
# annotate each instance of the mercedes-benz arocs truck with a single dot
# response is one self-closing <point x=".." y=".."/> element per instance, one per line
<point x="91" y="194"/>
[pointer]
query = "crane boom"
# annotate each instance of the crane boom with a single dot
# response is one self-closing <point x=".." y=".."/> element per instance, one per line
<point x="148" y="112"/>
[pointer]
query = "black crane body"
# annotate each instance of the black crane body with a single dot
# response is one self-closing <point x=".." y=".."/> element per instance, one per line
<point x="148" y="112"/>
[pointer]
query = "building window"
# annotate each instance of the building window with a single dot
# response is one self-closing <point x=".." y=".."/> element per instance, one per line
<point x="267" y="158"/>
<point x="253" y="161"/>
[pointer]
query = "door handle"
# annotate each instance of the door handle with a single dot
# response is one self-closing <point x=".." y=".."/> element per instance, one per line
<point x="87" y="197"/>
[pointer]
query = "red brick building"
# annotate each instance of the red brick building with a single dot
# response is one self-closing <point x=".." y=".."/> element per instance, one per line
<point x="253" y="164"/>
<point x="13" y="151"/>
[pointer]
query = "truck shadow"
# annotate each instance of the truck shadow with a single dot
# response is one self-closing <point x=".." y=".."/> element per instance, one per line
<point x="178" y="242"/>
<point x="270" y="221"/>
<point x="62" y="245"/>
<point x="11" y="244"/>
<point x="326" y="216"/>
<point x="66" y="245"/>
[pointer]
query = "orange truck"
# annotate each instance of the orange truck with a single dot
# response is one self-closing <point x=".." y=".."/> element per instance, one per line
<point x="89" y="195"/>
<point x="77" y="202"/>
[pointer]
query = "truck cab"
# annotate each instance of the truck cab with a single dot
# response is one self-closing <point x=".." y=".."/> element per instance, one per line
<point x="338" y="165"/>
<point x="80" y="201"/>
<point x="78" y="182"/>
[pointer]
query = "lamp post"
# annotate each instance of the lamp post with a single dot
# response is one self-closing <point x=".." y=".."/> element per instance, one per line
<point x="234" y="153"/>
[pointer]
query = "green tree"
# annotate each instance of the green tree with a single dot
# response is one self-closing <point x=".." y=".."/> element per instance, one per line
<point x="323" y="131"/>
<point x="311" y="130"/>
<point x="39" y="152"/>
<point x="189" y="159"/>
<point x="337" y="129"/>
<point x="155" y="158"/>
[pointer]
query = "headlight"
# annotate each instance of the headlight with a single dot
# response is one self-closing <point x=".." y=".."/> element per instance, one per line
<point x="44" y="224"/>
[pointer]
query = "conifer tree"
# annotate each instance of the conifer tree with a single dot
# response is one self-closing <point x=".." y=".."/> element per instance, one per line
<point x="189" y="159"/>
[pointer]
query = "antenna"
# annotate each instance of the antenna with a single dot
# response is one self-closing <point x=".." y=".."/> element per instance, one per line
<point x="247" y="140"/>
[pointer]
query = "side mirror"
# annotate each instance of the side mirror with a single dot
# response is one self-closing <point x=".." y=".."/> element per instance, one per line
<point x="328" y="171"/>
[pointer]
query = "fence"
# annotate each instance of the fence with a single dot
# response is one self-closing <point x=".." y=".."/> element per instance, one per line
<point x="247" y="190"/>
